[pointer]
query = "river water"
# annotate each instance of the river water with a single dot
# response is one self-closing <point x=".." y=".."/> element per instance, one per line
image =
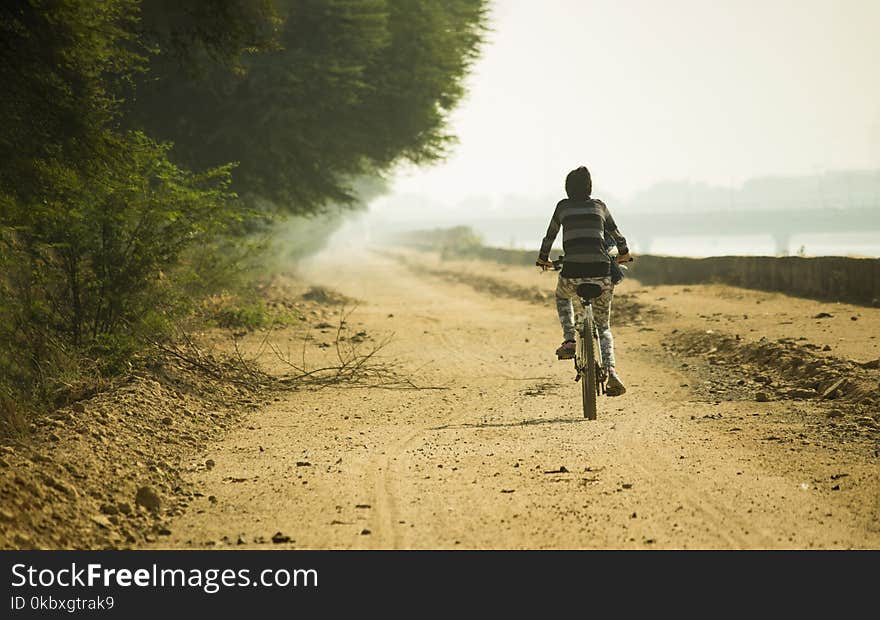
<point x="827" y="244"/>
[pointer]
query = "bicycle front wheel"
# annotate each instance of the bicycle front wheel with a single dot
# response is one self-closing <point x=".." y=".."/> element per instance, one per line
<point x="588" y="369"/>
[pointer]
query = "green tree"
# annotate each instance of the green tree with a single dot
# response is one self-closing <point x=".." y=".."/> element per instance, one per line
<point x="349" y="88"/>
<point x="61" y="66"/>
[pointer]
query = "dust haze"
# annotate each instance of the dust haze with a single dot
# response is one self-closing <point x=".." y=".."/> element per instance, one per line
<point x="675" y="107"/>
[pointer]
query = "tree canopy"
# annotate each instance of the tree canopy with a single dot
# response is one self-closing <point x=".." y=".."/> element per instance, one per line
<point x="309" y="94"/>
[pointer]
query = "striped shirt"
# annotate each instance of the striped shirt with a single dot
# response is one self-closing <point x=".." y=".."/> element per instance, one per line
<point x="584" y="224"/>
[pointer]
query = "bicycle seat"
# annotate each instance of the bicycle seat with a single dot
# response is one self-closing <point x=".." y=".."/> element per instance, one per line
<point x="589" y="290"/>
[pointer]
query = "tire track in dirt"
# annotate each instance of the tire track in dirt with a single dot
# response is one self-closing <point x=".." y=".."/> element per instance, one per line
<point x="385" y="533"/>
<point x="383" y="475"/>
<point x="385" y="470"/>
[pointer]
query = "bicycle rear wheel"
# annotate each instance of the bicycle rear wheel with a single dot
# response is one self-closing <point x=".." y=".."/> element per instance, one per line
<point x="588" y="368"/>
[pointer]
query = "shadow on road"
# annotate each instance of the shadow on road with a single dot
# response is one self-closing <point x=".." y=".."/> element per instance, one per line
<point x="511" y="424"/>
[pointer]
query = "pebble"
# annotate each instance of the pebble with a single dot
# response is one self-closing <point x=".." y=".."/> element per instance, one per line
<point x="102" y="520"/>
<point x="800" y="393"/>
<point x="58" y="485"/>
<point x="147" y="498"/>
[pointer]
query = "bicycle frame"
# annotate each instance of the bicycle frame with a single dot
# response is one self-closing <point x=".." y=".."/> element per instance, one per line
<point x="580" y="323"/>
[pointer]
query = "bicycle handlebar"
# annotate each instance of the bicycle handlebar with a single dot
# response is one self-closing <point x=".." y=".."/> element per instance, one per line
<point x="557" y="264"/>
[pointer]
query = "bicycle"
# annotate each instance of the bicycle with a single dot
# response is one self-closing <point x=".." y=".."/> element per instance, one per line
<point x="589" y="370"/>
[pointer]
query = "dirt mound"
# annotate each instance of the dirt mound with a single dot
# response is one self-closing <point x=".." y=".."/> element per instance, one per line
<point x="106" y="472"/>
<point x="788" y="368"/>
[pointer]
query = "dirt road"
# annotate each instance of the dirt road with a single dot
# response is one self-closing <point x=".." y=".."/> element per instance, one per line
<point x="492" y="450"/>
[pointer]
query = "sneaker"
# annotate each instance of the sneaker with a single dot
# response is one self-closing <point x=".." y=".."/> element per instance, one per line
<point x="614" y="386"/>
<point x="566" y="351"/>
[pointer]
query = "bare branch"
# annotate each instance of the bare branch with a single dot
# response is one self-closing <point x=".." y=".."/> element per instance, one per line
<point x="355" y="367"/>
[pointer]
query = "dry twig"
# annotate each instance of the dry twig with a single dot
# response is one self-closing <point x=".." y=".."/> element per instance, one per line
<point x="354" y="367"/>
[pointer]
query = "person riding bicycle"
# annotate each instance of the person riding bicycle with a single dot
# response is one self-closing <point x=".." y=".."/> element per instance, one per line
<point x="585" y="223"/>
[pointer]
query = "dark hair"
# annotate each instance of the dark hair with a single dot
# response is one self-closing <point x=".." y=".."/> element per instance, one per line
<point x="579" y="183"/>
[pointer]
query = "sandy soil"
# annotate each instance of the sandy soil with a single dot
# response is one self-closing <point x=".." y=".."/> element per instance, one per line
<point x="492" y="450"/>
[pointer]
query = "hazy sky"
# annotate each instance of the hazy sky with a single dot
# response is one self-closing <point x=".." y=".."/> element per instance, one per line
<point x="650" y="90"/>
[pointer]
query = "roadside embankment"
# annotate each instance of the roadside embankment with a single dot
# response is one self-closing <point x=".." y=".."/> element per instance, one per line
<point x="835" y="278"/>
<point x="854" y="280"/>
<point x="110" y="471"/>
